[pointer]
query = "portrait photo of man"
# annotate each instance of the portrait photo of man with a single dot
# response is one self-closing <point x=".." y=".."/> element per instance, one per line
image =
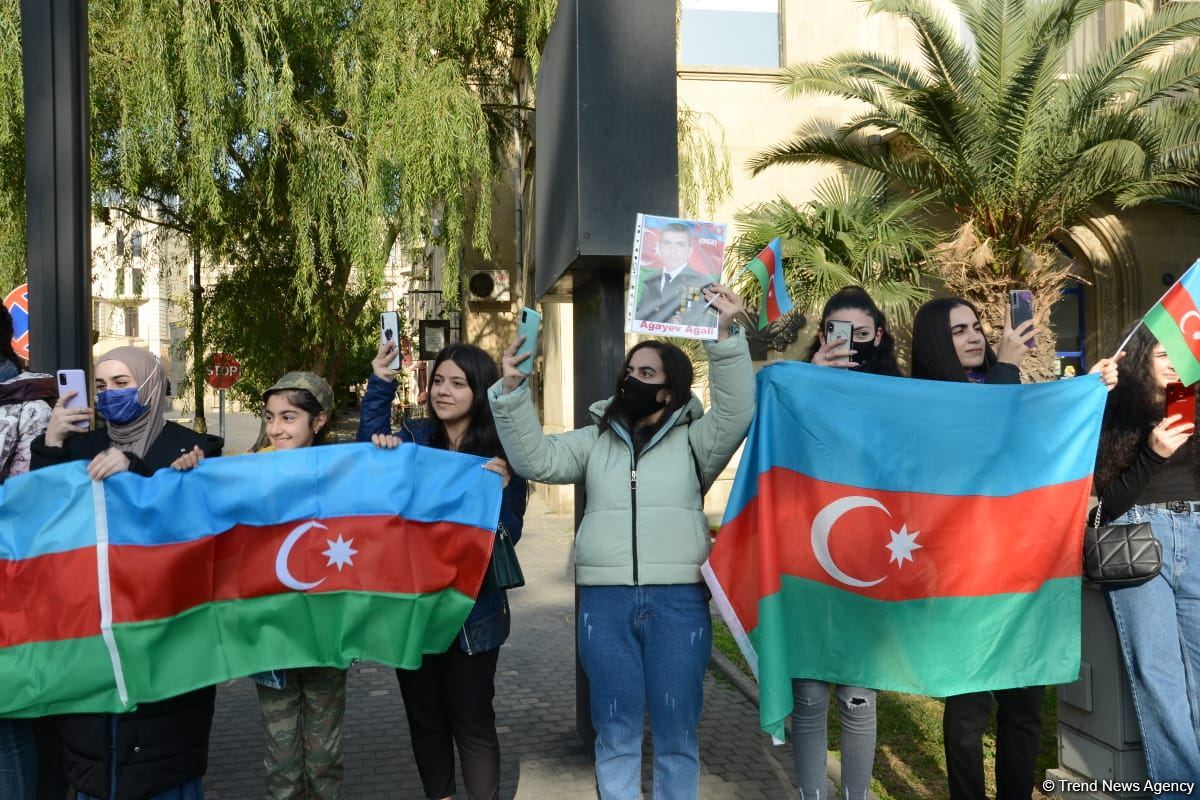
<point x="672" y="293"/>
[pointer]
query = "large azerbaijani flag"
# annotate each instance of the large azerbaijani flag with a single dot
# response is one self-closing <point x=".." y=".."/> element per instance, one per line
<point x="1175" y="322"/>
<point x="136" y="589"/>
<point x="907" y="535"/>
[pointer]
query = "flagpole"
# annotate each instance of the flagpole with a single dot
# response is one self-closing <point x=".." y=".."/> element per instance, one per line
<point x="1121" y="346"/>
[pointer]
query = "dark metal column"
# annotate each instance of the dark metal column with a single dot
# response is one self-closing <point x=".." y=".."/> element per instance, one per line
<point x="54" y="54"/>
<point x="599" y="351"/>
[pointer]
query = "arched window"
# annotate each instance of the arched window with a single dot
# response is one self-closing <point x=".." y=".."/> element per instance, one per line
<point x="136" y="242"/>
<point x="120" y="242"/>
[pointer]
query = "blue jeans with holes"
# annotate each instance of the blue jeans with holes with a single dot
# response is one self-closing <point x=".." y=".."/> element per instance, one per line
<point x="1158" y="624"/>
<point x="810" y="738"/>
<point x="646" y="648"/>
<point x="18" y="760"/>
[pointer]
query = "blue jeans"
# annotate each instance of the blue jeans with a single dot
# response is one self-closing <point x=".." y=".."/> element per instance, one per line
<point x="1158" y="624"/>
<point x="646" y="647"/>
<point x="18" y="760"/>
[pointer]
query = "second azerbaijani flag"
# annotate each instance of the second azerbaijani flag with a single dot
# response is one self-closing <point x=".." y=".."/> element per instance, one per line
<point x="869" y="542"/>
<point x="1175" y="322"/>
<point x="135" y="589"/>
<point x="767" y="267"/>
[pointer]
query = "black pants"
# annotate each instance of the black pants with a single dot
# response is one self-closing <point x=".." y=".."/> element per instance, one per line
<point x="1018" y="731"/>
<point x="449" y="701"/>
<point x="51" y="775"/>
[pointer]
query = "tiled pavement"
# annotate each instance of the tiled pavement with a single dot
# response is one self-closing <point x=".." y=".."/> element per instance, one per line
<point x="535" y="707"/>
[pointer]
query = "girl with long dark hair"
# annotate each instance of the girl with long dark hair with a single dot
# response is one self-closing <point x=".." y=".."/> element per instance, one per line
<point x="871" y="349"/>
<point x="1148" y="470"/>
<point x="644" y="628"/>
<point x="448" y="699"/>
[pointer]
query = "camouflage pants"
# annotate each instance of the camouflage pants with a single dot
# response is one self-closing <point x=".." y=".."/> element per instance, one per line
<point x="303" y="721"/>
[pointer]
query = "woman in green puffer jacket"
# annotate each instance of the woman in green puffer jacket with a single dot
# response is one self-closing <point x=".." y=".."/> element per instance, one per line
<point x="644" y="628"/>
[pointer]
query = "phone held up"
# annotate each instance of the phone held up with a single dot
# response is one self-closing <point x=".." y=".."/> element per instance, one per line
<point x="1020" y="306"/>
<point x="389" y="331"/>
<point x="73" y="380"/>
<point x="1181" y="400"/>
<point x="530" y="326"/>
<point x="836" y="329"/>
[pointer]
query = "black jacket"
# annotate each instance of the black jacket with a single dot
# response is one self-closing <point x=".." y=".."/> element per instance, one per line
<point x="160" y="745"/>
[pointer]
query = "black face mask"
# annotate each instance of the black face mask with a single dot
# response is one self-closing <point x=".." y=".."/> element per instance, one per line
<point x="864" y="352"/>
<point x="637" y="399"/>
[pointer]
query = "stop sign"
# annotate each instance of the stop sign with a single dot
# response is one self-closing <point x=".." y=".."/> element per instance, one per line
<point x="17" y="304"/>
<point x="222" y="371"/>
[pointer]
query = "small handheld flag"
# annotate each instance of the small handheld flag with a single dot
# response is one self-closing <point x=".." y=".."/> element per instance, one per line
<point x="1175" y="322"/>
<point x="767" y="266"/>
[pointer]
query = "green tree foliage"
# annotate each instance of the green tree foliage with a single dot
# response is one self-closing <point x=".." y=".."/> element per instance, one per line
<point x="1014" y="148"/>
<point x="852" y="233"/>
<point x="299" y="139"/>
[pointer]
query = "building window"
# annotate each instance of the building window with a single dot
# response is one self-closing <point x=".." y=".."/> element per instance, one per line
<point x="729" y="33"/>
<point x="136" y="242"/>
<point x="120" y="242"/>
<point x="131" y="321"/>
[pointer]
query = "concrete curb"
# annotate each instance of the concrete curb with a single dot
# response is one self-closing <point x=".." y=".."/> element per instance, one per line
<point x="749" y="689"/>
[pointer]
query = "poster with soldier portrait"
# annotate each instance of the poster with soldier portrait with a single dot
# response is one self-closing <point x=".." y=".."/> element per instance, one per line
<point x="673" y="260"/>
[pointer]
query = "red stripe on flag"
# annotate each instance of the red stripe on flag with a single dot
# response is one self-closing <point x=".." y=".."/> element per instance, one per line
<point x="969" y="546"/>
<point x="393" y="555"/>
<point x="50" y="597"/>
<point x="1178" y="302"/>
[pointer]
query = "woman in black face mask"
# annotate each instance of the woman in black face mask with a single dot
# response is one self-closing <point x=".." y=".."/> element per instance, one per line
<point x="644" y="626"/>
<point x="872" y="349"/>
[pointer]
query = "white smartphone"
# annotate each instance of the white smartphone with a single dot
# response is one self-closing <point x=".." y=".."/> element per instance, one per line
<point x="389" y="331"/>
<point x="839" y="329"/>
<point x="74" y="380"/>
<point x="531" y="324"/>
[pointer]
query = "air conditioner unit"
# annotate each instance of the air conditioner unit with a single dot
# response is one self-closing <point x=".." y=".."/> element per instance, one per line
<point x="488" y="286"/>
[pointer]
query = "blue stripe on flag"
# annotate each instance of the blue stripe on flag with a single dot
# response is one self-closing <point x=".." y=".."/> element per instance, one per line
<point x="908" y="435"/>
<point x="39" y="516"/>
<point x="414" y="482"/>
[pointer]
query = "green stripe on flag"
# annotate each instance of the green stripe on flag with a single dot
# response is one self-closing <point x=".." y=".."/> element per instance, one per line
<point x="56" y="677"/>
<point x="759" y="270"/>
<point x="1166" y="330"/>
<point x="936" y="646"/>
<point x="215" y="642"/>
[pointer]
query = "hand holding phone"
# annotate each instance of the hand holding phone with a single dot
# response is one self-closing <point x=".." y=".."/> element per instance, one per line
<point x="840" y="330"/>
<point x="71" y="414"/>
<point x="528" y="329"/>
<point x="1181" y="401"/>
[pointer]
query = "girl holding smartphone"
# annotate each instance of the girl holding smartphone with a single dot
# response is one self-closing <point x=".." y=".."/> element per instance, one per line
<point x="448" y="700"/>
<point x="870" y="349"/>
<point x="644" y="627"/>
<point x="1148" y="470"/>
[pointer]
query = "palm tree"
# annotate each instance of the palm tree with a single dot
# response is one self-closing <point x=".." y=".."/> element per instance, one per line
<point x="852" y="233"/>
<point x="993" y="128"/>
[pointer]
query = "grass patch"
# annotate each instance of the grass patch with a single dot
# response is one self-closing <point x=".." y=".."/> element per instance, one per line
<point x="910" y="762"/>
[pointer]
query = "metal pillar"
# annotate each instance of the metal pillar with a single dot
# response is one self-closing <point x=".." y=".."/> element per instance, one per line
<point x="599" y="351"/>
<point x="54" y="56"/>
<point x="199" y="424"/>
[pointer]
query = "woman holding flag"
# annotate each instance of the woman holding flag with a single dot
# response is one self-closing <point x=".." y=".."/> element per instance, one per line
<point x="872" y="350"/>
<point x="159" y="751"/>
<point x="644" y="627"/>
<point x="1148" y="470"/>
<point x="448" y="700"/>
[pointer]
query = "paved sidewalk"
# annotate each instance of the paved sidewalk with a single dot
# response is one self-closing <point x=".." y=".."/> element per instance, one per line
<point x="535" y="709"/>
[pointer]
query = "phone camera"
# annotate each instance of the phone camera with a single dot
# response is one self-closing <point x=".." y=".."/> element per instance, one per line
<point x="62" y="380"/>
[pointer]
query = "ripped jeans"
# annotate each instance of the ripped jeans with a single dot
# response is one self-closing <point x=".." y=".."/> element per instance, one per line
<point x="810" y="738"/>
<point x="646" y="648"/>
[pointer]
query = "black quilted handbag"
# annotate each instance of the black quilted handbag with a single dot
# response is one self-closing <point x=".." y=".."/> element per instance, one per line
<point x="1120" y="555"/>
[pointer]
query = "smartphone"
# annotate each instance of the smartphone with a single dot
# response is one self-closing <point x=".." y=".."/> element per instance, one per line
<point x="1020" y="306"/>
<point x="389" y="331"/>
<point x="530" y="326"/>
<point x="74" y="380"/>
<point x="1181" y="400"/>
<point x="839" y="329"/>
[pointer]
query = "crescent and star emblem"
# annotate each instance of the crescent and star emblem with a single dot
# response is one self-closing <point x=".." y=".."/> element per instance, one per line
<point x="339" y="555"/>
<point x="902" y="545"/>
<point x="1195" y="334"/>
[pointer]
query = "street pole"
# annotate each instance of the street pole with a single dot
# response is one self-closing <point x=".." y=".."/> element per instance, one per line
<point x="221" y="413"/>
<point x="54" y="62"/>
<point x="199" y="425"/>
